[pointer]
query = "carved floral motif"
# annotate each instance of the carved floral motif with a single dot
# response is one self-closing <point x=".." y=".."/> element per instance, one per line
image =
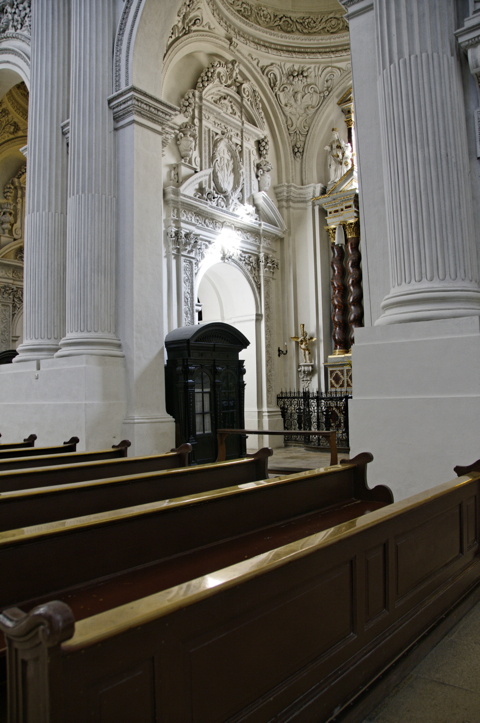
<point x="188" y="292"/>
<point x="300" y="91"/>
<point x="313" y="24"/>
<point x="190" y="17"/>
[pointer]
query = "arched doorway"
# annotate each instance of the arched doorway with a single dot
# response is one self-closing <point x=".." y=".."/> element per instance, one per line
<point x="225" y="294"/>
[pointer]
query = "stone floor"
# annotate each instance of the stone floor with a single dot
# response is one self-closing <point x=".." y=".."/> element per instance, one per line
<point x="299" y="458"/>
<point x="445" y="686"/>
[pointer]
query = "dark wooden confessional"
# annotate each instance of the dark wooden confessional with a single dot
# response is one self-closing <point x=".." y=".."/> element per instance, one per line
<point x="205" y="390"/>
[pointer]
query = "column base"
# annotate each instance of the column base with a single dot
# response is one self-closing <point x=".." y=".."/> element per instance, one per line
<point x="428" y="304"/>
<point x="32" y="351"/>
<point x="61" y="398"/>
<point x="89" y="344"/>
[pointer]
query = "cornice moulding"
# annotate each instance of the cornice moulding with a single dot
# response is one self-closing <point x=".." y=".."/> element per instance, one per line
<point x="301" y="195"/>
<point x="132" y="104"/>
<point x="356" y="7"/>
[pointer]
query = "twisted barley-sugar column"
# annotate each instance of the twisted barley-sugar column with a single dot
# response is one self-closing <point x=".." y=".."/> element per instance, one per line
<point x="338" y="295"/>
<point x="354" y="279"/>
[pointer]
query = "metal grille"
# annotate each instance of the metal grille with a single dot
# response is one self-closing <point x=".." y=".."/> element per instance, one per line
<point x="316" y="411"/>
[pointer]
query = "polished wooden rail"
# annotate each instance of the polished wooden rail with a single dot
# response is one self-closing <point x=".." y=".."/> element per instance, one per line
<point x="222" y="435"/>
<point x="28" y="442"/>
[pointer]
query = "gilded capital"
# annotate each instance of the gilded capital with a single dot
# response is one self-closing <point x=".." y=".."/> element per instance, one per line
<point x="331" y="230"/>
<point x="352" y="228"/>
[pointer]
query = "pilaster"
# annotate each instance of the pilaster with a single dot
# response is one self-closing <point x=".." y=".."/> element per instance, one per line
<point x="46" y="194"/>
<point x="90" y="276"/>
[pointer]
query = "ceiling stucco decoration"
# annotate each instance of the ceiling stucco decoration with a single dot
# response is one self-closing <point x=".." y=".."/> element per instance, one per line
<point x="290" y="22"/>
<point x="268" y="26"/>
<point x="300" y="90"/>
<point x="190" y="18"/>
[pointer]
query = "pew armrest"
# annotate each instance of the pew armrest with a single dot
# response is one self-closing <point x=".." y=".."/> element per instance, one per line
<point x="261" y="462"/>
<point x="123" y="445"/>
<point x="361" y="490"/>
<point x="30" y="440"/>
<point x="183" y="451"/>
<point x="460" y="471"/>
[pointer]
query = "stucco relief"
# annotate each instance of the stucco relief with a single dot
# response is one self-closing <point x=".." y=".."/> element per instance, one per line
<point x="188" y="292"/>
<point x="15" y="17"/>
<point x="300" y="90"/>
<point x="227" y="170"/>
<point x="291" y="23"/>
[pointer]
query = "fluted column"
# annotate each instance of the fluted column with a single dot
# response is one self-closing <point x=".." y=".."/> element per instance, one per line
<point x="354" y="279"/>
<point x="90" y="319"/>
<point x="46" y="194"/>
<point x="339" y="334"/>
<point x="434" y="271"/>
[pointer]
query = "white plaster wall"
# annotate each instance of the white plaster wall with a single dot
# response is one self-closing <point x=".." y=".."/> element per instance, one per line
<point x="416" y="401"/>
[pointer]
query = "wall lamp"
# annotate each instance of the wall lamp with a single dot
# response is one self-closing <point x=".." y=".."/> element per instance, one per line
<point x="280" y="352"/>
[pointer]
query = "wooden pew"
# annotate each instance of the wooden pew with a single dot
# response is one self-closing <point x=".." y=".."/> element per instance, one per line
<point x="32" y="478"/>
<point x="28" y="442"/>
<point x="47" y="460"/>
<point x="99" y="493"/>
<point x="293" y="633"/>
<point x="69" y="446"/>
<point x="82" y="550"/>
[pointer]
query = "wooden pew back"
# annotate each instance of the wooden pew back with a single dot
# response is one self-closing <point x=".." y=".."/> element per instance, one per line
<point x="293" y="634"/>
<point x="69" y="446"/>
<point x="32" y="478"/>
<point x="10" y="462"/>
<point x="145" y="534"/>
<point x="28" y="442"/>
<point x="22" y="508"/>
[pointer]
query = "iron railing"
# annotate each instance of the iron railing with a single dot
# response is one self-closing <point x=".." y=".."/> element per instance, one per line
<point x="316" y="411"/>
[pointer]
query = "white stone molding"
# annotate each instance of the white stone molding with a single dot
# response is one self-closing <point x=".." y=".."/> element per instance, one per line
<point x="434" y="270"/>
<point x="46" y="193"/>
<point x="293" y="40"/>
<point x="293" y="195"/>
<point x="133" y="105"/>
<point x="90" y="278"/>
<point x="124" y="43"/>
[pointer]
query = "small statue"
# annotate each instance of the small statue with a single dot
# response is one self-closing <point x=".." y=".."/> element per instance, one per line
<point x="303" y="342"/>
<point x="339" y="158"/>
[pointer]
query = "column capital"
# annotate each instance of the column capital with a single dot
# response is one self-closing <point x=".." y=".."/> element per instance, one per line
<point x="133" y="105"/>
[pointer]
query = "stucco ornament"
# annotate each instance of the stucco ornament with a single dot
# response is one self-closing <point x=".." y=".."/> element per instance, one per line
<point x="227" y="170"/>
<point x="263" y="175"/>
<point x="300" y="91"/>
<point x="15" y="16"/>
<point x="339" y="158"/>
<point x="282" y="22"/>
<point x="187" y="141"/>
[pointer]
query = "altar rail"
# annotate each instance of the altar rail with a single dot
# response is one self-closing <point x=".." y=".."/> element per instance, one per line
<point x="305" y="410"/>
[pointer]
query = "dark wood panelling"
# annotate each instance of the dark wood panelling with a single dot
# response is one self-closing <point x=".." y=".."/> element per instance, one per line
<point x="307" y="626"/>
<point x="426" y="549"/>
<point x="471" y="506"/>
<point x="375" y="582"/>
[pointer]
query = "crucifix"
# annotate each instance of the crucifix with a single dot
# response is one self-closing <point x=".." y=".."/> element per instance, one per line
<point x="303" y="341"/>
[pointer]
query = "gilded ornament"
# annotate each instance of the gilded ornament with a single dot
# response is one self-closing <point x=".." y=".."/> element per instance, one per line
<point x="303" y="341"/>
